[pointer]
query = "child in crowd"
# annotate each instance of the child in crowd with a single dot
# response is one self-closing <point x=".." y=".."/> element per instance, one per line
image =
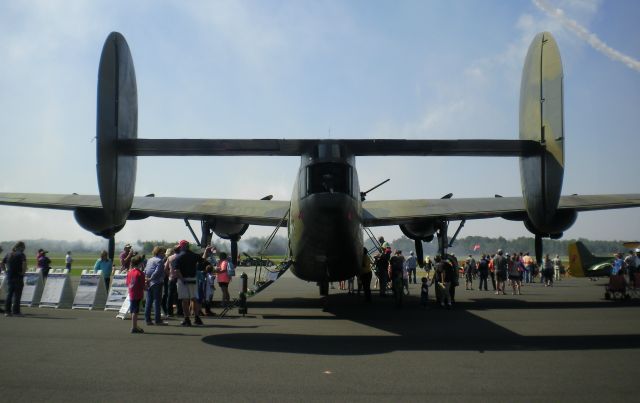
<point x="210" y="287"/>
<point x="135" y="283"/>
<point x="424" y="292"/>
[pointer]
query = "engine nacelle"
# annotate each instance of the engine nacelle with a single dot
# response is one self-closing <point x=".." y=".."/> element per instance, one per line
<point x="95" y="221"/>
<point x="420" y="230"/>
<point x="541" y="120"/>
<point x="228" y="229"/>
<point x="117" y="118"/>
<point x="564" y="219"/>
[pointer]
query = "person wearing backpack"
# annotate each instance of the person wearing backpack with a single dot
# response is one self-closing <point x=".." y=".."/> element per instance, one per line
<point x="223" y="276"/>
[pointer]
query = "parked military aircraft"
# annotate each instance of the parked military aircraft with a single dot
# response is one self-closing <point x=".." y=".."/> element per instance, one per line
<point x="583" y="263"/>
<point x="327" y="212"/>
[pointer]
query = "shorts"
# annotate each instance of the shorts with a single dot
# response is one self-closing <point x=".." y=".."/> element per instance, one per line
<point x="134" y="306"/>
<point x="187" y="288"/>
<point x="501" y="276"/>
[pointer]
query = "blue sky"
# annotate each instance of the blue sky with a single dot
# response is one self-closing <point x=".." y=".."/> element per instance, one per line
<point x="315" y="69"/>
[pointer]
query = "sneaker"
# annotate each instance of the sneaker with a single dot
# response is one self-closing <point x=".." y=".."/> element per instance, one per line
<point x="149" y="323"/>
<point x="186" y="322"/>
<point x="137" y="330"/>
<point x="161" y="323"/>
<point x="8" y="314"/>
<point x="197" y="320"/>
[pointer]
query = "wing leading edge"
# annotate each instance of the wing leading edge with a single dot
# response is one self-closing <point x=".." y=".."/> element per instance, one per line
<point x="395" y="212"/>
<point x="253" y="212"/>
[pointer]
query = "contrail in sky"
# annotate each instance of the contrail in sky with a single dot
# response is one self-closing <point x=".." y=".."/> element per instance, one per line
<point x="587" y="36"/>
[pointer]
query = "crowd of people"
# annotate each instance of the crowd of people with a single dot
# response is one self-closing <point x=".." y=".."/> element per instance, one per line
<point x="501" y="270"/>
<point x="179" y="281"/>
<point x="176" y="280"/>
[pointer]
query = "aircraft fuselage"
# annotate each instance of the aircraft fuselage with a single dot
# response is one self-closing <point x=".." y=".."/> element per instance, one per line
<point x="325" y="220"/>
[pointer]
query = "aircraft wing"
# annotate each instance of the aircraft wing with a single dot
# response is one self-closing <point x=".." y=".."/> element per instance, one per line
<point x="393" y="212"/>
<point x="254" y="212"/>
<point x="271" y="212"/>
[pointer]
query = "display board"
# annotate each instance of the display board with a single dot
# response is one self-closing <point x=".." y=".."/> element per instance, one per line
<point x="91" y="292"/>
<point x="118" y="292"/>
<point x="33" y="285"/>
<point x="57" y="290"/>
<point x="123" y="313"/>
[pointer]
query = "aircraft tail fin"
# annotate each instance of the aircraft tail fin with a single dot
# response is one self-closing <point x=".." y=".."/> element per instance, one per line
<point x="579" y="258"/>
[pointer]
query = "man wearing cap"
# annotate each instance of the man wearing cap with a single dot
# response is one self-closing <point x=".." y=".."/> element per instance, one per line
<point x="125" y="257"/>
<point x="185" y="264"/>
<point x="44" y="263"/>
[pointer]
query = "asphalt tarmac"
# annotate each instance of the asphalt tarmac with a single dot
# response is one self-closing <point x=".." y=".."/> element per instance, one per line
<point x="564" y="343"/>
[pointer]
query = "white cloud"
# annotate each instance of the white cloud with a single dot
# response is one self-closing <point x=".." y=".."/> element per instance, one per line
<point x="589" y="37"/>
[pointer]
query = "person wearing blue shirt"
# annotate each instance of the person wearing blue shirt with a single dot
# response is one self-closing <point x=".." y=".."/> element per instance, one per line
<point x="105" y="265"/>
<point x="154" y="273"/>
<point x="617" y="264"/>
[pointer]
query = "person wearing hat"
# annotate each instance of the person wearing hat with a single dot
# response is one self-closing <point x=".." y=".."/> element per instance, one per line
<point x="44" y="263"/>
<point x="185" y="264"/>
<point x="125" y="257"/>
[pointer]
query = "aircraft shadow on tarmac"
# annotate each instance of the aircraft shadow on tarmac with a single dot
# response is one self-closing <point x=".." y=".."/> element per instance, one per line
<point x="414" y="329"/>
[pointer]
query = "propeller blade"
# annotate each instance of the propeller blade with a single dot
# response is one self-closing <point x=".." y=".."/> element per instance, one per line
<point x="538" y="250"/>
<point x="419" y="252"/>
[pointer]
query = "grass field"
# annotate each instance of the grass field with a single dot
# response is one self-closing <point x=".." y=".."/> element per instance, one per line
<point x="86" y="261"/>
<point x="80" y="262"/>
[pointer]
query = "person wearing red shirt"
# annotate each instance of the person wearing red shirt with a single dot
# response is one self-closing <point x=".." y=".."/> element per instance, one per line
<point x="135" y="283"/>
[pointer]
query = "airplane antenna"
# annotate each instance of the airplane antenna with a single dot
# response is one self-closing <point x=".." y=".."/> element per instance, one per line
<point x="363" y="195"/>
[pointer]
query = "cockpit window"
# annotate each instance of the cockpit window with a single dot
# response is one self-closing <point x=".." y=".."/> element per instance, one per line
<point x="329" y="178"/>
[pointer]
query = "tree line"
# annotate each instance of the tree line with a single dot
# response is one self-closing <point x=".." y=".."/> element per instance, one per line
<point x="279" y="245"/>
<point x="478" y="245"/>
